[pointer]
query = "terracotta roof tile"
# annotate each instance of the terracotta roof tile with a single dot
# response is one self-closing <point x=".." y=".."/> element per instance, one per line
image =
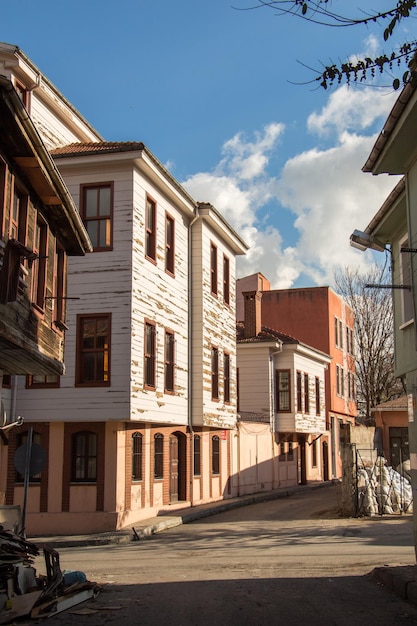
<point x="75" y="149"/>
<point x="392" y="405"/>
<point x="266" y="334"/>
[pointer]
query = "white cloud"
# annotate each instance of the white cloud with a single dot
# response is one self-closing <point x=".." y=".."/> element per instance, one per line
<point x="247" y="160"/>
<point x="330" y="196"/>
<point x="349" y="108"/>
<point x="324" y="189"/>
<point x="233" y="187"/>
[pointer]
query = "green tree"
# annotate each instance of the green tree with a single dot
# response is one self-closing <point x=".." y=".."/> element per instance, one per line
<point x="399" y="61"/>
<point x="374" y="336"/>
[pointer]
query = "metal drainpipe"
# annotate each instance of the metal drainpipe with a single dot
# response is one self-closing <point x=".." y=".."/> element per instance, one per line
<point x="14" y="397"/>
<point x="238" y="457"/>
<point x="190" y="353"/>
<point x="272" y="410"/>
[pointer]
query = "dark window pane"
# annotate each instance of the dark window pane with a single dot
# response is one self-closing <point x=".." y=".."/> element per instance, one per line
<point x="158" y="456"/>
<point x="91" y="199"/>
<point x="105" y="199"/>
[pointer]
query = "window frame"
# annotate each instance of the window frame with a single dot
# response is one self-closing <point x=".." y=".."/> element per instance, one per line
<point x="299" y="389"/>
<point x="82" y="352"/>
<point x="226" y="280"/>
<point x="19" y="212"/>
<point x="214" y="373"/>
<point x="59" y="288"/>
<point x="213" y="270"/>
<point x="137" y="456"/>
<point x="197" y="455"/>
<point x="33" y="383"/>
<point x="352" y="341"/>
<point x="226" y="377"/>
<point x="169" y="361"/>
<point x="280" y="393"/>
<point x="215" y="455"/>
<point x="88" y="476"/>
<point x="40" y="264"/>
<point x="338" y="380"/>
<point x="23" y="93"/>
<point x="4" y="176"/>
<point x="169" y="244"/>
<point x="6" y="381"/>
<point x="306" y="393"/>
<point x="158" y="456"/>
<point x="149" y="355"/>
<point x="150" y="229"/>
<point x="108" y="228"/>
<point x="318" y="395"/>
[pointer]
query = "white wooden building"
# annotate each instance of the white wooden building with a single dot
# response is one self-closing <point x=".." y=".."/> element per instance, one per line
<point x="282" y="385"/>
<point x="141" y="419"/>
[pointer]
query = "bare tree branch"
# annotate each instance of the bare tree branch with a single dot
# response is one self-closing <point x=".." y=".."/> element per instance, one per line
<point x="374" y="336"/>
<point x="399" y="61"/>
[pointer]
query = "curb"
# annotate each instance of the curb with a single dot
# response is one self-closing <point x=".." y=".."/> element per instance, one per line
<point x="144" y="531"/>
<point x="401" y="580"/>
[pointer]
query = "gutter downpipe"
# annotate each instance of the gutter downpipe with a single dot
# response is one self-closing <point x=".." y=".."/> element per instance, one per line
<point x="14" y="399"/>
<point x="190" y="351"/>
<point x="272" y="411"/>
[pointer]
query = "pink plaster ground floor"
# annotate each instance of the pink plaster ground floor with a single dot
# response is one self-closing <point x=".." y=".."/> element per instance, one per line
<point x="141" y="470"/>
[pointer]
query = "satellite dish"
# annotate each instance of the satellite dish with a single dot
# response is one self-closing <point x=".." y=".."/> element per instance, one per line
<point x="37" y="459"/>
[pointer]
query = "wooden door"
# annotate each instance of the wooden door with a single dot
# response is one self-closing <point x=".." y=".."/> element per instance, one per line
<point x="173" y="468"/>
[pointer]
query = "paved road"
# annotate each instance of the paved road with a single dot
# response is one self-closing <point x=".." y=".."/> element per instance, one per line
<point x="290" y="561"/>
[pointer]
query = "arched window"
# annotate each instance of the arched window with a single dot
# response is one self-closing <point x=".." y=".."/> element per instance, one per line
<point x="84" y="457"/>
<point x="158" y="466"/>
<point x="197" y="455"/>
<point x="137" y="447"/>
<point x="215" y="455"/>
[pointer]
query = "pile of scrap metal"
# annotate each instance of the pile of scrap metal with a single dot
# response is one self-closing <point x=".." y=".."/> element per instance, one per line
<point x="23" y="593"/>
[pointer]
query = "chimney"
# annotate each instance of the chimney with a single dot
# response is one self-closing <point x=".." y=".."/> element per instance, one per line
<point x="253" y="322"/>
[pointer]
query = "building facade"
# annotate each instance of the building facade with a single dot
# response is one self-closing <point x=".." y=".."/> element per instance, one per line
<point x="282" y="384"/>
<point x="391" y="431"/>
<point x="39" y="228"/>
<point x="319" y="317"/>
<point x="141" y="420"/>
<point x="394" y="229"/>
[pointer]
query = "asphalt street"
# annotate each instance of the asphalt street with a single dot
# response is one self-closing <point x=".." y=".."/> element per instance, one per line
<point x="289" y="561"/>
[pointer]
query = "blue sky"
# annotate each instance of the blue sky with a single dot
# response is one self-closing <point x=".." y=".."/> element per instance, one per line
<point x="209" y="89"/>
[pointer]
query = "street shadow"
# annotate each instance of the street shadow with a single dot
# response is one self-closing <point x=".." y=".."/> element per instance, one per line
<point x="343" y="601"/>
<point x="210" y="533"/>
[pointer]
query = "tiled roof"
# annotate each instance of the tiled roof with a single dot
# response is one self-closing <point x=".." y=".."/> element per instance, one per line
<point x="266" y="334"/>
<point x="398" y="404"/>
<point x="108" y="147"/>
<point x="74" y="149"/>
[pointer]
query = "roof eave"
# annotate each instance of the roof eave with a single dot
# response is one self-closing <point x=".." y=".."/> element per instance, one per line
<point x="41" y="170"/>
